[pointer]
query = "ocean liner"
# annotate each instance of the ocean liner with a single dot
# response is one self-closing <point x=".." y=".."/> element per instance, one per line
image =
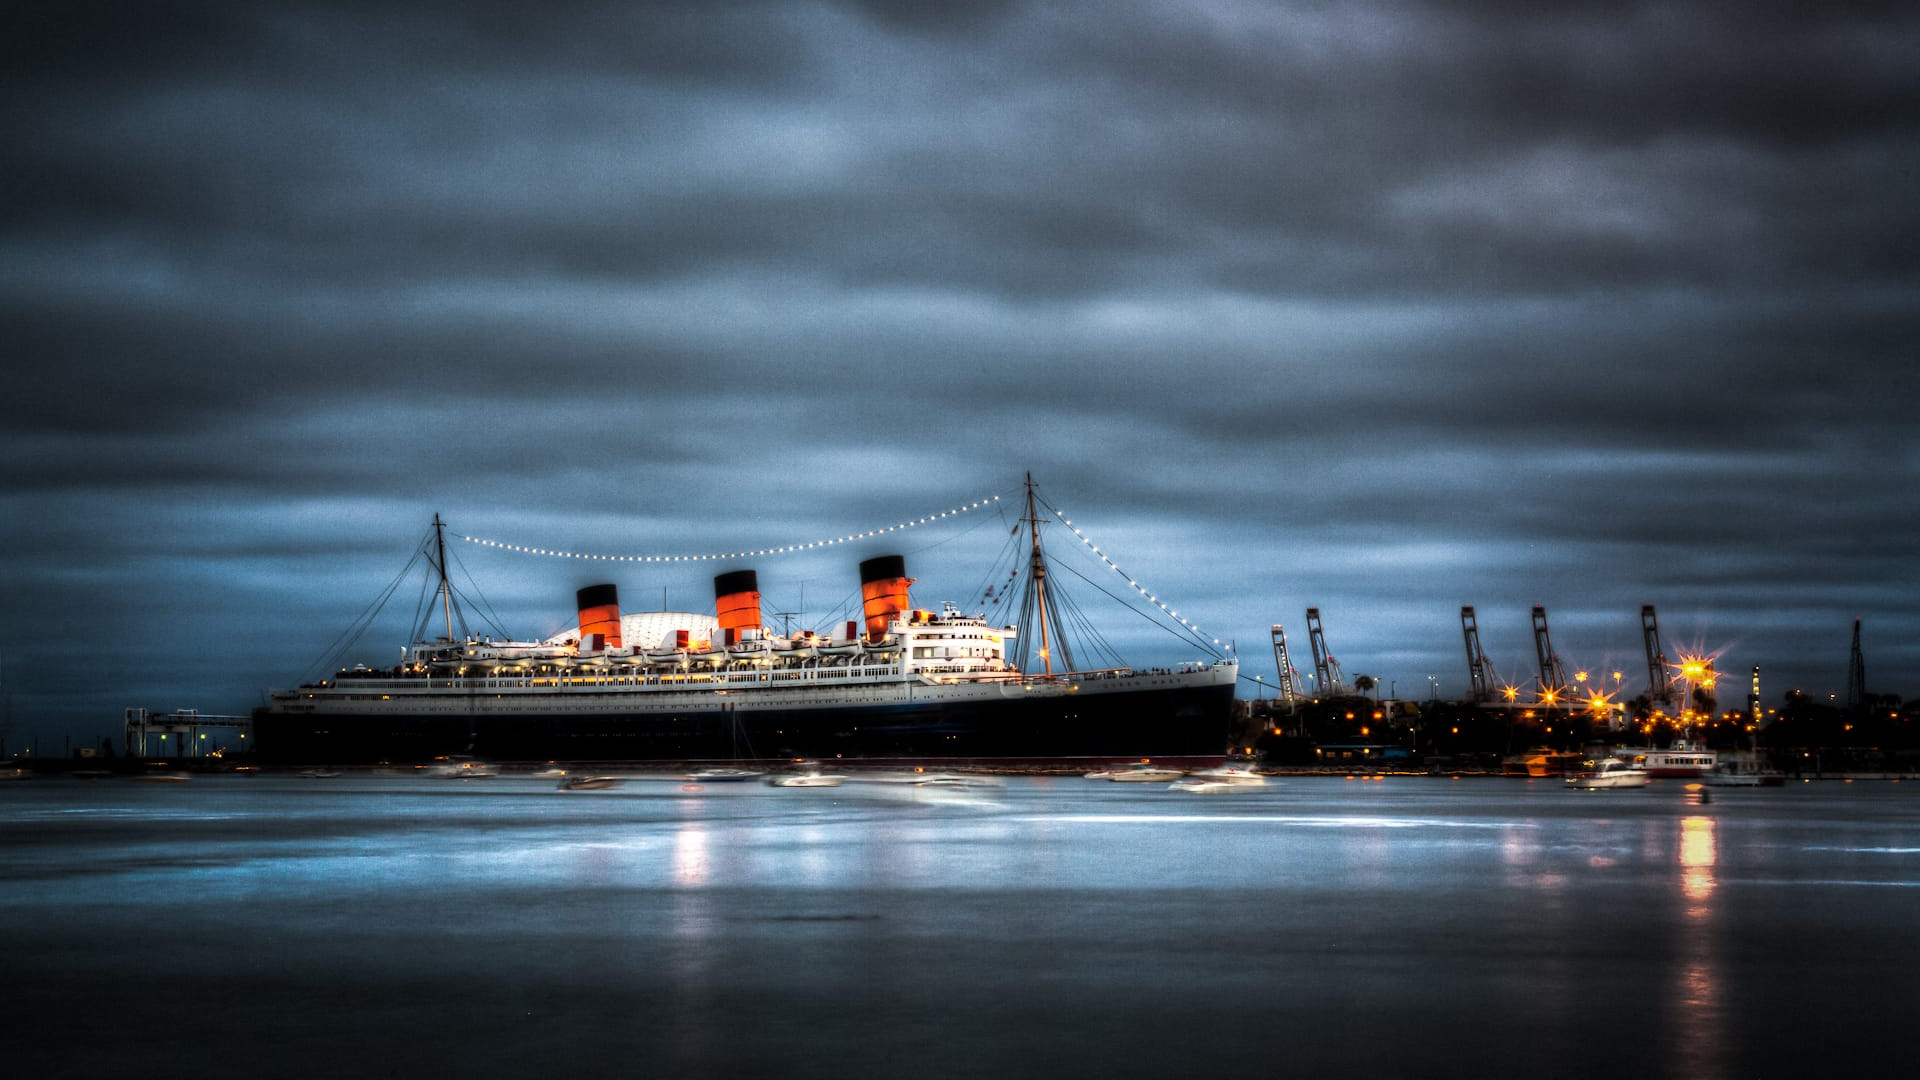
<point x="902" y="685"/>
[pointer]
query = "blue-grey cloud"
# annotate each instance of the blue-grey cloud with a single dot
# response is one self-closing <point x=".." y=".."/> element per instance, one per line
<point x="1381" y="308"/>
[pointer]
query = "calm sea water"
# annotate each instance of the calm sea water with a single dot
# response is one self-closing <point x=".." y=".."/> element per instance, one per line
<point x="277" y="926"/>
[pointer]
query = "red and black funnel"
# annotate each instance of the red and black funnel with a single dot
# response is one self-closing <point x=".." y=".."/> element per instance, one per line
<point x="600" y="614"/>
<point x="736" y="600"/>
<point x="883" y="592"/>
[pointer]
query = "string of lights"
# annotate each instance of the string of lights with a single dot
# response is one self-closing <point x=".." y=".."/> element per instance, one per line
<point x="1131" y="582"/>
<point x="781" y="549"/>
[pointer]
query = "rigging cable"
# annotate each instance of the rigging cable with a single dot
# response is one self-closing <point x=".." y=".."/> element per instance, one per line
<point x="350" y="636"/>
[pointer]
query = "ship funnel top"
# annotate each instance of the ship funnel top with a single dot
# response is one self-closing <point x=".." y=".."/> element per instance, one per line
<point x="736" y="600"/>
<point x="599" y="614"/>
<point x="883" y="591"/>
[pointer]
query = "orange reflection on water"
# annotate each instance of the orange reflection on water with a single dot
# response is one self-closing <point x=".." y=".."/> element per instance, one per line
<point x="1697" y="854"/>
<point x="1701" y="1047"/>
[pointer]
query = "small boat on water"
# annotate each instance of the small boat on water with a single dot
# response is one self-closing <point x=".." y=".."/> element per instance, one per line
<point x="806" y="774"/>
<point x="461" y="769"/>
<point x="1742" y="772"/>
<point x="1138" y="772"/>
<point x="942" y="780"/>
<point x="1540" y="762"/>
<point x="1189" y="786"/>
<point x="590" y="783"/>
<point x="806" y="779"/>
<point x="722" y="775"/>
<point x="320" y="774"/>
<point x="1228" y="774"/>
<point x="1219" y="780"/>
<point x="1607" y="773"/>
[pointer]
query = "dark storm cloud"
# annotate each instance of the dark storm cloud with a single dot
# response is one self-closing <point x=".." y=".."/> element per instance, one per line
<point x="1384" y="308"/>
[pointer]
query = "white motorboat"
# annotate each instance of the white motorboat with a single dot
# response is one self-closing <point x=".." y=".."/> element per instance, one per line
<point x="806" y="779"/>
<point x="1190" y="786"/>
<point x="1138" y="772"/>
<point x="591" y="783"/>
<point x="721" y="775"/>
<point x="1227" y="774"/>
<point x="1215" y="781"/>
<point x="1608" y="773"/>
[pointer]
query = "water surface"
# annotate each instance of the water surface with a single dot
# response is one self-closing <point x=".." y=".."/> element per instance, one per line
<point x="283" y="926"/>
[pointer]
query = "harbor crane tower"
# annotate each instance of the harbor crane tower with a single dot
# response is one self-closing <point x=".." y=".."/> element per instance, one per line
<point x="1856" y="674"/>
<point x="1289" y="678"/>
<point x="1325" y="667"/>
<point x="1484" y="682"/>
<point x="1553" y="675"/>
<point x="1659" y="685"/>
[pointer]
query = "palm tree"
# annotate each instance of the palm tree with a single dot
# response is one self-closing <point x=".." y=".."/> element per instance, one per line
<point x="1364" y="683"/>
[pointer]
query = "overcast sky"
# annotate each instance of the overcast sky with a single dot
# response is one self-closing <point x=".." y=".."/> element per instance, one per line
<point x="1380" y="308"/>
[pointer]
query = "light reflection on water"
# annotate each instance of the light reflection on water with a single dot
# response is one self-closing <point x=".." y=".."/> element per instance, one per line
<point x="1696" y="862"/>
<point x="974" y="931"/>
<point x="1697" y="1008"/>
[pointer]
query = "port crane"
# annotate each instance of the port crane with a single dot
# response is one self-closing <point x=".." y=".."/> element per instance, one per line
<point x="1484" y="682"/>
<point x="1289" y="678"/>
<point x="1856" y="674"/>
<point x="1553" y="675"/>
<point x="1325" y="667"/>
<point x="1659" y="685"/>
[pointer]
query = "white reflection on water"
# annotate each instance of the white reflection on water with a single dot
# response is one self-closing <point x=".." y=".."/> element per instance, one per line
<point x="1524" y="856"/>
<point x="690" y="855"/>
<point x="812" y="858"/>
<point x="1355" y="822"/>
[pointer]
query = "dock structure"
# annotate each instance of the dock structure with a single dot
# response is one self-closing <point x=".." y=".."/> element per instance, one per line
<point x="185" y="733"/>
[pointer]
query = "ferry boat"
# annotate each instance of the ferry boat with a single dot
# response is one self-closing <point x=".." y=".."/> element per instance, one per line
<point x="906" y="685"/>
<point x="1682" y="760"/>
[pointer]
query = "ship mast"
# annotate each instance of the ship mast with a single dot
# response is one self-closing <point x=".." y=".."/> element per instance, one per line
<point x="440" y="564"/>
<point x="1040" y="599"/>
<point x="1038" y="569"/>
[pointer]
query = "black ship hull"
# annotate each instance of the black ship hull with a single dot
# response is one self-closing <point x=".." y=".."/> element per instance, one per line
<point x="1189" y="721"/>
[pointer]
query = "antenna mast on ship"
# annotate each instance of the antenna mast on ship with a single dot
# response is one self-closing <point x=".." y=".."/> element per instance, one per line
<point x="440" y="564"/>
<point x="1038" y="593"/>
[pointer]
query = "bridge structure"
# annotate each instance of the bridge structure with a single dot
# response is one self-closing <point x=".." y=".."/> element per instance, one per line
<point x="185" y="733"/>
